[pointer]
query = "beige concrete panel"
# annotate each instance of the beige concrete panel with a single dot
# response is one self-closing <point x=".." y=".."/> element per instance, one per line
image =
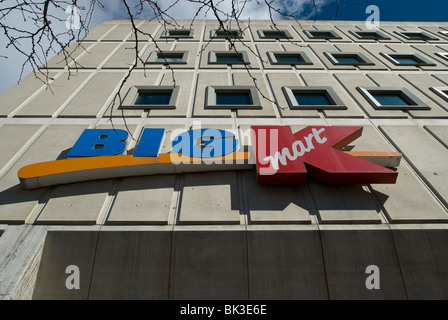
<point x="209" y="79"/>
<point x="426" y="156"/>
<point x="277" y="80"/>
<point x="131" y="265"/>
<point x="423" y="82"/>
<point x="439" y="132"/>
<point x="442" y="77"/>
<point x="205" y="52"/>
<point x="14" y="138"/>
<point x="210" y="198"/>
<point x="387" y="80"/>
<point x="430" y="51"/>
<point x="95" y="55"/>
<point x="12" y="98"/>
<point x="91" y="99"/>
<point x="376" y="49"/>
<point x="317" y="65"/>
<point x="267" y="25"/>
<point x="423" y="262"/>
<point x="286" y="265"/>
<point x="63" y="249"/>
<point x="143" y="200"/>
<point x="435" y="30"/>
<point x="346" y="47"/>
<point x="119" y="33"/>
<point x="426" y="53"/>
<point x="243" y="78"/>
<point x="183" y="79"/>
<point x="97" y="32"/>
<point x="16" y="203"/>
<point x="348" y="253"/>
<point x="193" y="54"/>
<point x="147" y="32"/>
<point x="276" y="204"/>
<point x="262" y="50"/>
<point x="350" y="81"/>
<point x="319" y="50"/>
<point x="47" y="102"/>
<point x="148" y="78"/>
<point x="209" y="265"/>
<point x="249" y="48"/>
<point x="60" y="61"/>
<point x="314" y="79"/>
<point x="160" y="47"/>
<point x="124" y="57"/>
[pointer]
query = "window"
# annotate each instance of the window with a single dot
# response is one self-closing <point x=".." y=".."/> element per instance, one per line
<point x="324" y="98"/>
<point x="322" y="34"/>
<point x="177" y="33"/>
<point x="232" y="97"/>
<point x="390" y="98"/>
<point x="288" y="57"/>
<point x="151" y="97"/>
<point x="443" y="55"/>
<point x="445" y="33"/>
<point x="407" y="59"/>
<point x="274" y="34"/>
<point x="416" y="35"/>
<point x="441" y="91"/>
<point x="167" y="57"/>
<point x="348" y="58"/>
<point x="374" y="35"/>
<point x="228" y="57"/>
<point x="232" y="34"/>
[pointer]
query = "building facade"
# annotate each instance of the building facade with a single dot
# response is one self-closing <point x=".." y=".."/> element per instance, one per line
<point x="220" y="234"/>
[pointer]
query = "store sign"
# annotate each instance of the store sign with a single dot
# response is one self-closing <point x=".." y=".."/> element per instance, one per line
<point x="280" y="156"/>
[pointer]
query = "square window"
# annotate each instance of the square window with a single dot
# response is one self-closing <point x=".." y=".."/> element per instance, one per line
<point x="322" y="34"/>
<point x="288" y="57"/>
<point x="391" y="98"/>
<point x="228" y="57"/>
<point x="441" y="92"/>
<point x="322" y="98"/>
<point x="373" y="35"/>
<point x="151" y="97"/>
<point x="416" y="35"/>
<point x="232" y="97"/>
<point x="167" y="57"/>
<point x="177" y="33"/>
<point x="407" y="59"/>
<point x="348" y="58"/>
<point x="232" y="34"/>
<point x="274" y="34"/>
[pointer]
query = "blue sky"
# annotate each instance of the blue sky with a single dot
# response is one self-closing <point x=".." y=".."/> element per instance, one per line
<point x="390" y="10"/>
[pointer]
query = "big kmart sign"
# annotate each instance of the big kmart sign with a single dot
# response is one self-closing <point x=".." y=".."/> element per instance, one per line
<point x="280" y="156"/>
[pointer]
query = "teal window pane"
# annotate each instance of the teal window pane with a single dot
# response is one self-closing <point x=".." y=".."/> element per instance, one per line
<point x="393" y="99"/>
<point x="415" y="36"/>
<point x="274" y="34"/>
<point x="406" y="60"/>
<point x="289" y="58"/>
<point x="233" y="98"/>
<point x="323" y="35"/>
<point x="312" y="99"/>
<point x="368" y="35"/>
<point x="228" y="58"/>
<point x="347" y="59"/>
<point x="179" y="33"/>
<point x="169" y="58"/>
<point x="153" y="98"/>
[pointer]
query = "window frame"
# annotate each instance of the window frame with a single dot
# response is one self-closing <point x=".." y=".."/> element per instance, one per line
<point x="289" y="92"/>
<point x="154" y="55"/>
<point x="213" y="56"/>
<point x="425" y="35"/>
<point x="444" y="32"/>
<point x="214" y="32"/>
<point x="334" y="34"/>
<point x="166" y="34"/>
<point x="380" y="35"/>
<point x="415" y="102"/>
<point x="443" y="55"/>
<point x="133" y="92"/>
<point x="211" y="93"/>
<point x="364" y="60"/>
<point x="273" y="59"/>
<point x="440" y="92"/>
<point x="261" y="34"/>
<point x="423" y="60"/>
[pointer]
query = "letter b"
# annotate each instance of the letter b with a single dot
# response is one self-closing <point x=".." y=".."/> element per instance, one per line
<point x="99" y="142"/>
